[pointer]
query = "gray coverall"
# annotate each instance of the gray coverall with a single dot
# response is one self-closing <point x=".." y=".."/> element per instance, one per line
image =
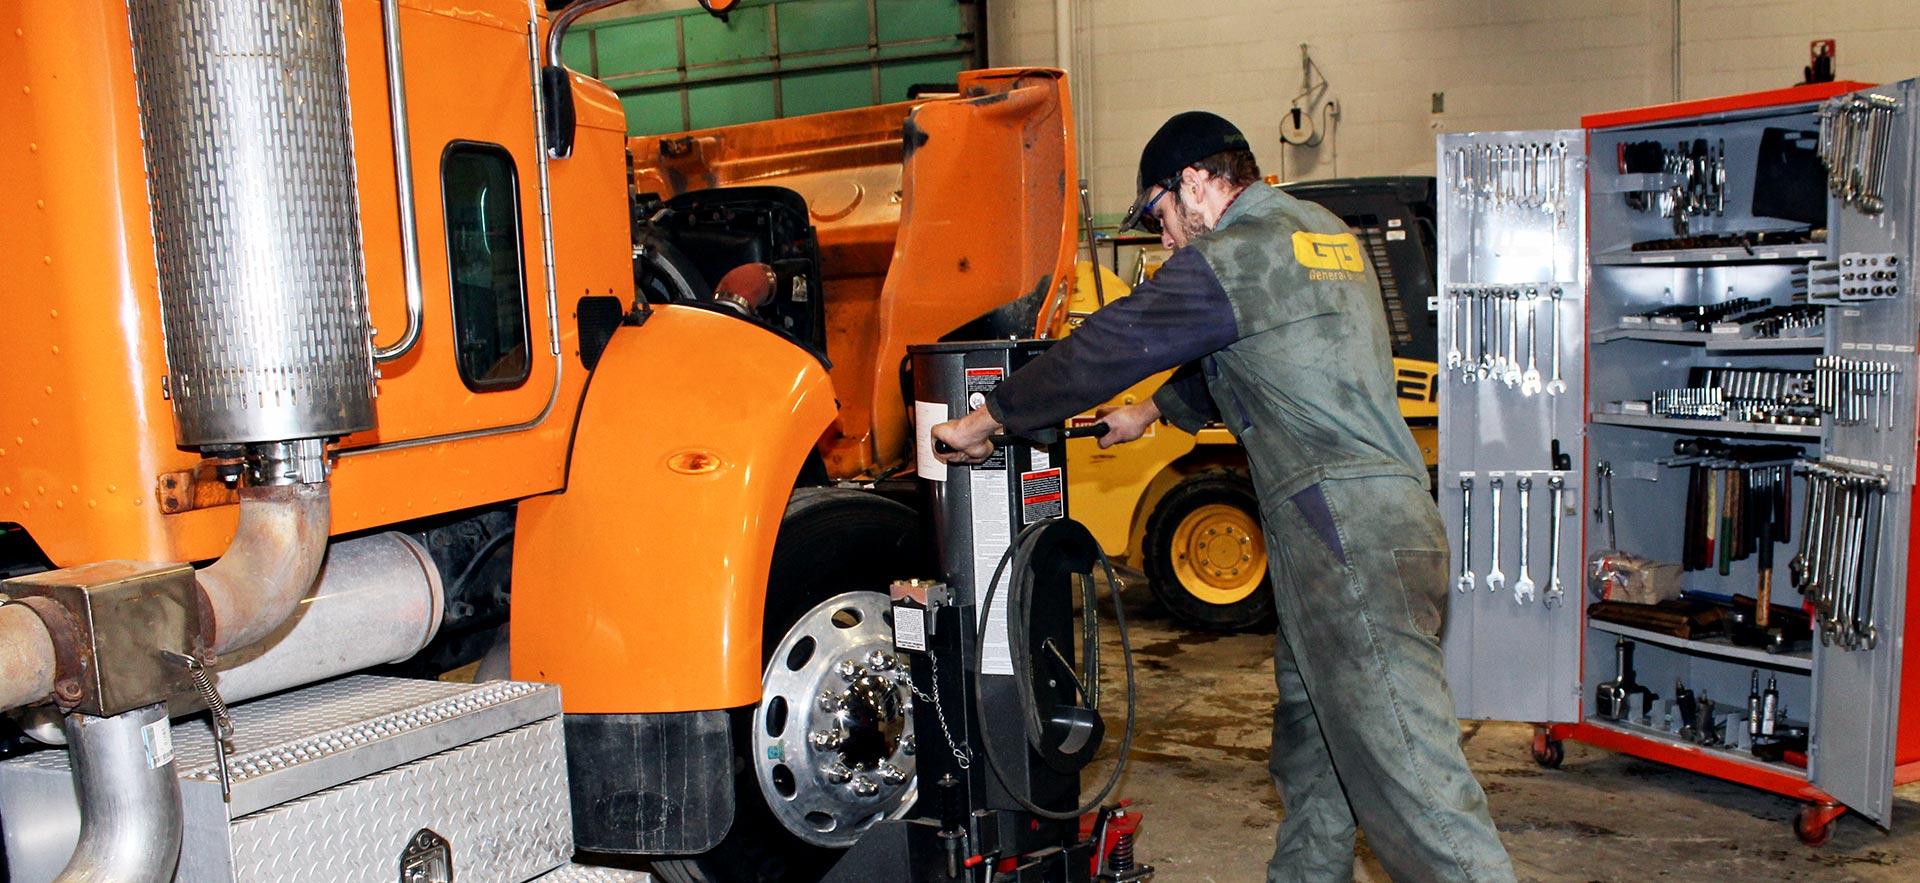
<point x="1276" y="315"/>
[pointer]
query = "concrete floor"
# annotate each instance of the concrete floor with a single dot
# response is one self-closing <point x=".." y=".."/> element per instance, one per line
<point x="1199" y="774"/>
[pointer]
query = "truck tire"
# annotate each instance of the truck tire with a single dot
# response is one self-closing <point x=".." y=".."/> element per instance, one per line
<point x="832" y="542"/>
<point x="1206" y="558"/>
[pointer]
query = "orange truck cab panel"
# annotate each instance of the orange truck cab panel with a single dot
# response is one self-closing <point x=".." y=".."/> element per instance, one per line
<point x="86" y="433"/>
<point x="640" y="586"/>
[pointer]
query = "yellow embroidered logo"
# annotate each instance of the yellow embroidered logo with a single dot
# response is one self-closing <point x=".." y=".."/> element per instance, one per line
<point x="1327" y="251"/>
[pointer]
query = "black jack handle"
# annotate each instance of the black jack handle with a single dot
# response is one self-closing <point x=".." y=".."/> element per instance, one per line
<point x="1002" y="439"/>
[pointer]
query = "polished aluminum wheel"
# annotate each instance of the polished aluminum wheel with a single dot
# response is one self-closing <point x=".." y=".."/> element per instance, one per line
<point x="833" y="734"/>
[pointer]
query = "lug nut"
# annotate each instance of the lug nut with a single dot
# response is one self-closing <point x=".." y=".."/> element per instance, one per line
<point x="849" y="669"/>
<point x="906" y="745"/>
<point x="836" y="772"/>
<point x="891" y="774"/>
<point x="831" y="702"/>
<point x="825" y="739"/>
<point x="879" y="661"/>
<point x="865" y="787"/>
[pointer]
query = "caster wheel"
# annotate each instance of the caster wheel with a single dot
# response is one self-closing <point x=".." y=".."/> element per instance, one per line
<point x="1549" y="753"/>
<point x="1814" y="824"/>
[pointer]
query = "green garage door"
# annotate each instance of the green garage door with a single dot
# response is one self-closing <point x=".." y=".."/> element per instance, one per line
<point x="774" y="58"/>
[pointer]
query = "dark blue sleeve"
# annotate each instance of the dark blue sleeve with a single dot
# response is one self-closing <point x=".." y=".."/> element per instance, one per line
<point x="1178" y="316"/>
<point x="1184" y="400"/>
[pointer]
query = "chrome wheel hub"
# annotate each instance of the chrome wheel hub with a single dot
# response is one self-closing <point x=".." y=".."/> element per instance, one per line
<point x="833" y="734"/>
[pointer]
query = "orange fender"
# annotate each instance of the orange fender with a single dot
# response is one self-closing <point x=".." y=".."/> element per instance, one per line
<point x="641" y="586"/>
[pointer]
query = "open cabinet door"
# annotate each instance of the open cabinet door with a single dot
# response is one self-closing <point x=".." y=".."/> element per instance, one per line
<point x="1857" y="683"/>
<point x="1511" y="305"/>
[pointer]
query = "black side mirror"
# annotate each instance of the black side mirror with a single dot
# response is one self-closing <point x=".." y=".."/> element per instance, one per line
<point x="556" y="90"/>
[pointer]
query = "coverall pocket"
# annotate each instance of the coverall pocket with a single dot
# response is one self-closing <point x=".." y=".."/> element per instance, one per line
<point x="1423" y="587"/>
<point x="1313" y="508"/>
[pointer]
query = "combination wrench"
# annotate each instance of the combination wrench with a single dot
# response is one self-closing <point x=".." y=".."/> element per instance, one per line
<point x="1511" y="376"/>
<point x="1530" y="380"/>
<point x="1556" y="489"/>
<point x="1453" y="339"/>
<point x="1466" y="579"/>
<point x="1556" y="385"/>
<point x="1523" y="586"/>
<point x="1495" y="579"/>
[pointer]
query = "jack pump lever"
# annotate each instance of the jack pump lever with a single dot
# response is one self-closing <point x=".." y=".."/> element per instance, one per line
<point x="1000" y="440"/>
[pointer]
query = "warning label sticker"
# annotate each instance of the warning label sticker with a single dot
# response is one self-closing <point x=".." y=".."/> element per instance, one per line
<point x="1042" y="495"/>
<point x="910" y="627"/>
<point x="981" y="381"/>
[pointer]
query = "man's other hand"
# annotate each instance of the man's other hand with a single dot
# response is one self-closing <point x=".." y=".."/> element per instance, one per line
<point x="1127" y="423"/>
<point x="967" y="436"/>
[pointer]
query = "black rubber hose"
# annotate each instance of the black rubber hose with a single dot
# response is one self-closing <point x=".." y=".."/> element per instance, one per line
<point x="1019" y="556"/>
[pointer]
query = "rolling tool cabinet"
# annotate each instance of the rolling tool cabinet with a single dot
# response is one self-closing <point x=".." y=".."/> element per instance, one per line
<point x="1722" y="291"/>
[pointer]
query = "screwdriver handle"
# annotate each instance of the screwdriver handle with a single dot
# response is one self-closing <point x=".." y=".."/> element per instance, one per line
<point x="1001" y="439"/>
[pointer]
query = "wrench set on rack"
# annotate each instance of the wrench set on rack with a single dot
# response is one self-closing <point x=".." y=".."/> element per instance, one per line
<point x="1495" y="335"/>
<point x="1855" y="131"/>
<point x="1840" y="552"/>
<point x="1495" y="483"/>
<point x="1524" y="175"/>
<point x="1856" y="392"/>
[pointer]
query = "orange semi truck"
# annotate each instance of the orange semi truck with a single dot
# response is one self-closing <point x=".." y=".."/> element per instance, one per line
<point x="443" y="301"/>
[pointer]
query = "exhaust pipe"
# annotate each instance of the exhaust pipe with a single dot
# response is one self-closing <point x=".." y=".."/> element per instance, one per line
<point x="383" y="590"/>
<point x="129" y="798"/>
<point x="26" y="657"/>
<point x="276" y="552"/>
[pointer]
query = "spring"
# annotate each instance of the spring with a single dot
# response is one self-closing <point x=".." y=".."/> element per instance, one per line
<point x="1121" y="858"/>
<point x="223" y="723"/>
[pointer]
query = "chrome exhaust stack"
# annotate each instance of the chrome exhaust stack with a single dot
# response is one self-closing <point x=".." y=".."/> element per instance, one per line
<point x="250" y="171"/>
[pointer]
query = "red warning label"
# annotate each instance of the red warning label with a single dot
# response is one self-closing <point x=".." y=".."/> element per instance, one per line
<point x="1042" y="495"/>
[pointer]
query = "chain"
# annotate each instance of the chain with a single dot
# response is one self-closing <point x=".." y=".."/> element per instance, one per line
<point x="961" y="756"/>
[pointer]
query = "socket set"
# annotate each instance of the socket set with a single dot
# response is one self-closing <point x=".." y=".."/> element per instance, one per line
<point x="1840" y="528"/>
<point x="1854" y="278"/>
<point x="1855" y="132"/>
<point x="1747" y="395"/>
<point x="1697" y="317"/>
<point x="1797" y="320"/>
<point x="1496" y="335"/>
<point x="1689" y="403"/>
<point x="1856" y="392"/>
<point x="1495" y="485"/>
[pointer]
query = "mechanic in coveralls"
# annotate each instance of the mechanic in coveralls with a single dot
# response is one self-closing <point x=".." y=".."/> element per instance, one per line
<point x="1275" y="313"/>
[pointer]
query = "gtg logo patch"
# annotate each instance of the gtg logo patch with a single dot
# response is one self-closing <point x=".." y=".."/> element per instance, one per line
<point x="1337" y="252"/>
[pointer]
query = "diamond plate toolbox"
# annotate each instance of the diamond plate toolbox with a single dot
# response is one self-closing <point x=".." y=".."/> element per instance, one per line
<point x="332" y="782"/>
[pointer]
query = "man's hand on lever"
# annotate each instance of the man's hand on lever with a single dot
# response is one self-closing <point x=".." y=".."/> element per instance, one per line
<point x="1124" y="424"/>
<point x="968" y="437"/>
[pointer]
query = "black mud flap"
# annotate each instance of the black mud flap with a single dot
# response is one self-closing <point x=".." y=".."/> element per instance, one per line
<point x="883" y="853"/>
<point x="660" y="784"/>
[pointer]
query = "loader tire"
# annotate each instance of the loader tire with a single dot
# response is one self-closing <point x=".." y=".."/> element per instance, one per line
<point x="1206" y="557"/>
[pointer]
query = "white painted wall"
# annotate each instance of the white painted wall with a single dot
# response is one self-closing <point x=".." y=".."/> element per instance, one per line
<point x="1503" y="64"/>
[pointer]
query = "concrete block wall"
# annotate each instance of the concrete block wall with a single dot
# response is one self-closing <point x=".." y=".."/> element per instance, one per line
<point x="1502" y="64"/>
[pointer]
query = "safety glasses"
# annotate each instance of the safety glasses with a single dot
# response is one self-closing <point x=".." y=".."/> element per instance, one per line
<point x="1142" y="215"/>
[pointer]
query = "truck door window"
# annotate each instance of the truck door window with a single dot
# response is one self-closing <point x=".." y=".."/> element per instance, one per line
<point x="481" y="198"/>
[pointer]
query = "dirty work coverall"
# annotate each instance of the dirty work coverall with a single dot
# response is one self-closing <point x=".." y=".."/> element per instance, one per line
<point x="1282" y="312"/>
